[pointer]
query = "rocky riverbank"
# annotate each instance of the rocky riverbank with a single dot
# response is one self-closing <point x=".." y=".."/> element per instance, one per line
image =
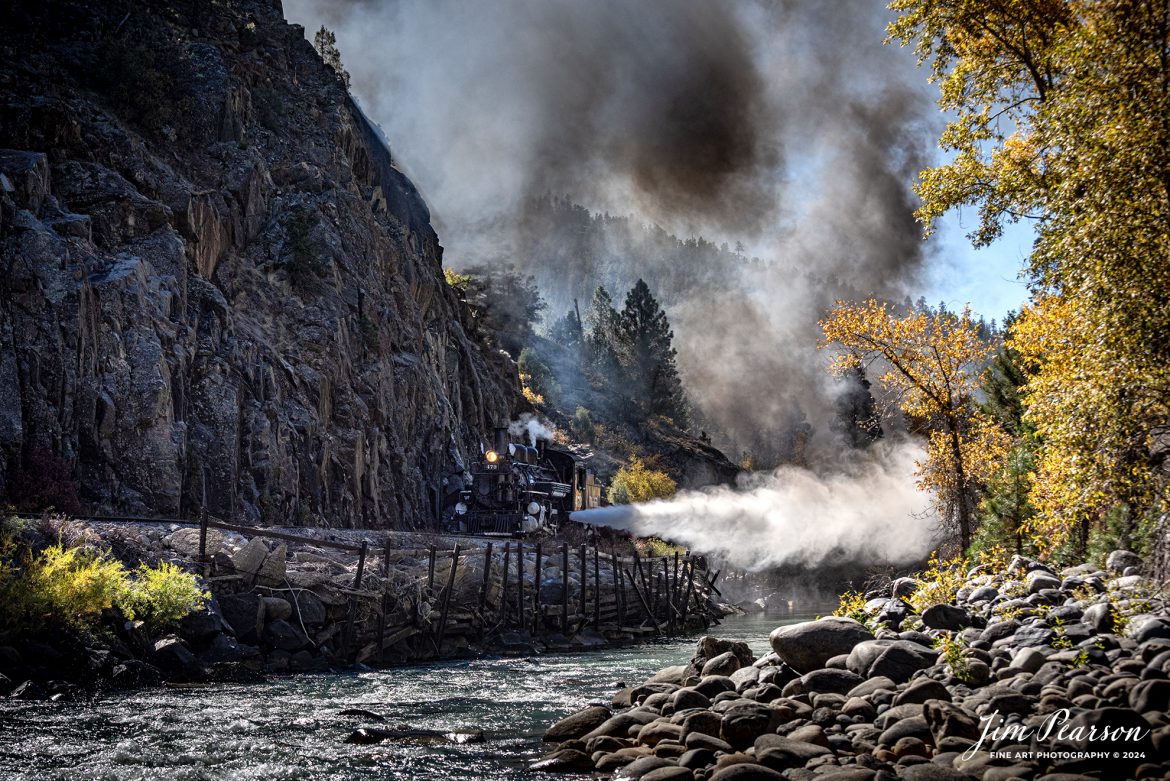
<point x="1024" y="671"/>
<point x="281" y="606"/>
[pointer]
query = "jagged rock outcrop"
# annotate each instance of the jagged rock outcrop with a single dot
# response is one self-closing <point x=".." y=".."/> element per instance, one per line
<point x="216" y="287"/>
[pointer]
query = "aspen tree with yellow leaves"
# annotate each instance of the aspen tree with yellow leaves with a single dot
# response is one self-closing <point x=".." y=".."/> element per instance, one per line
<point x="929" y="366"/>
<point x="1061" y="117"/>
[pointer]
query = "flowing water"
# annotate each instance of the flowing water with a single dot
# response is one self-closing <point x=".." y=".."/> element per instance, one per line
<point x="289" y="728"/>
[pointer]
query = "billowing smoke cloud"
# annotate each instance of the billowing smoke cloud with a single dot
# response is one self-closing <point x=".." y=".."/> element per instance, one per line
<point x="531" y="426"/>
<point x="869" y="512"/>
<point x="786" y="124"/>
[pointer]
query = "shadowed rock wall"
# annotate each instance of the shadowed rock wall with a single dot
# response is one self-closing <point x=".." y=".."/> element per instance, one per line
<point x="217" y="287"/>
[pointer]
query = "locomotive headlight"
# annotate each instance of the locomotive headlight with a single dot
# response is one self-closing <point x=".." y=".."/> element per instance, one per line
<point x="460" y="509"/>
<point x="533" y="508"/>
<point x="492" y="456"/>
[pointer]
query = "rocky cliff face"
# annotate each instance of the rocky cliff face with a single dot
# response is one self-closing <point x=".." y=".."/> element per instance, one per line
<point x="217" y="289"/>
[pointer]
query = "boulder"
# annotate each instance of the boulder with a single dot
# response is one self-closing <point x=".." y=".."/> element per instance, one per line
<point x="1150" y="696"/>
<point x="173" y="657"/>
<point x="922" y="690"/>
<point x="704" y="723"/>
<point x="1155" y="627"/>
<point x="929" y="771"/>
<point x="564" y="761"/>
<point x="1040" y="580"/>
<point x="871" y="685"/>
<point x="1028" y="660"/>
<point x="619" y="725"/>
<point x="684" y="699"/>
<point x="949" y="721"/>
<point x="745" y="771"/>
<point x="309" y="607"/>
<point x="134" y="673"/>
<point x="830" y="681"/>
<point x="243" y="614"/>
<point x="185" y="542"/>
<point x="999" y="630"/>
<point x="226" y="650"/>
<point x="640" y="767"/>
<point x="708" y="647"/>
<point x="669" y="675"/>
<point x="577" y="724"/>
<point x="809" y="645"/>
<point x="697" y="758"/>
<point x="201" y="626"/>
<point x="743" y="723"/>
<point x="272" y="570"/>
<point x="902" y="588"/>
<point x="669" y="774"/>
<point x="894" y="659"/>
<point x="781" y="753"/>
<point x="657" y="731"/>
<point x="948" y="617"/>
<point x="1100" y="617"/>
<point x="725" y="663"/>
<point x="912" y="727"/>
<point x="249" y="558"/>
<point x="283" y="636"/>
<point x="276" y="608"/>
<point x="983" y="594"/>
<point x="1033" y="635"/>
<point x="1120" y="560"/>
<point x="29" y="690"/>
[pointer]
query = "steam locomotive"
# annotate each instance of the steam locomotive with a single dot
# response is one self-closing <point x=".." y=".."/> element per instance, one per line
<point x="513" y="490"/>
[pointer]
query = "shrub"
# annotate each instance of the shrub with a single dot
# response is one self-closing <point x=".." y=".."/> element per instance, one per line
<point x="69" y="585"/>
<point x="461" y="282"/>
<point x="655" y="548"/>
<point x="852" y="605"/>
<point x="73" y="584"/>
<point x="637" y="483"/>
<point x="939" y="582"/>
<point x="536" y="379"/>
<point x="162" y="595"/>
<point x="952" y="648"/>
<point x="581" y="424"/>
<point x="304" y="263"/>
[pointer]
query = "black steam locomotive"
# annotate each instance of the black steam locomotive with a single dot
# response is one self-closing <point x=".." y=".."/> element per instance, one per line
<point x="513" y="490"/>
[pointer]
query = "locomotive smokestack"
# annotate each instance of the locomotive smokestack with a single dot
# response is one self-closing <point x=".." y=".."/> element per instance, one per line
<point x="501" y="440"/>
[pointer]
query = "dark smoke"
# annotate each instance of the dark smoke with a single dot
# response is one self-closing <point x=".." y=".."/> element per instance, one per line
<point x="786" y="124"/>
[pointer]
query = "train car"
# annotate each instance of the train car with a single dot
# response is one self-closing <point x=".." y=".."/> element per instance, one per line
<point x="514" y="490"/>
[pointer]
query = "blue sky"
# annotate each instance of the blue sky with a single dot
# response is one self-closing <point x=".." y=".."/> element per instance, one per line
<point x="988" y="278"/>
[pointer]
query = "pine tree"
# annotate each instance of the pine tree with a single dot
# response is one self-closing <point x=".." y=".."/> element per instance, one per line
<point x="857" y="419"/>
<point x="568" y="331"/>
<point x="644" y="347"/>
<point x="1002" y="385"/>
<point x="325" y="42"/>
<point x="601" y="319"/>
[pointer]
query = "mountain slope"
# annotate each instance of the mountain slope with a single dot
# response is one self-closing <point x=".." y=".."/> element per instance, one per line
<point x="218" y="290"/>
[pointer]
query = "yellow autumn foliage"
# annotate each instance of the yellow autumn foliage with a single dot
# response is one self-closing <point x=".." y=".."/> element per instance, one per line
<point x="930" y="366"/>
<point x="635" y="482"/>
<point x="1058" y="116"/>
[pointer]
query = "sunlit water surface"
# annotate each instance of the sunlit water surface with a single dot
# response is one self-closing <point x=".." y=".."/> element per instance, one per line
<point x="289" y="728"/>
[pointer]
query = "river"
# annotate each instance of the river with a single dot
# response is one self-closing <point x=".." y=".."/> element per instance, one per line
<point x="289" y="727"/>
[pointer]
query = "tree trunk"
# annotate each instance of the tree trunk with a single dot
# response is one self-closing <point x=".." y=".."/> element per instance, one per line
<point x="961" y="488"/>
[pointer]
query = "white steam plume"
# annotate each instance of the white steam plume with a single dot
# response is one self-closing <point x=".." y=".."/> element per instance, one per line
<point x="871" y="512"/>
<point x="534" y="427"/>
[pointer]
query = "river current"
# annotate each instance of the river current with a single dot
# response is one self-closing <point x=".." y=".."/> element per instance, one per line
<point x="290" y="727"/>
